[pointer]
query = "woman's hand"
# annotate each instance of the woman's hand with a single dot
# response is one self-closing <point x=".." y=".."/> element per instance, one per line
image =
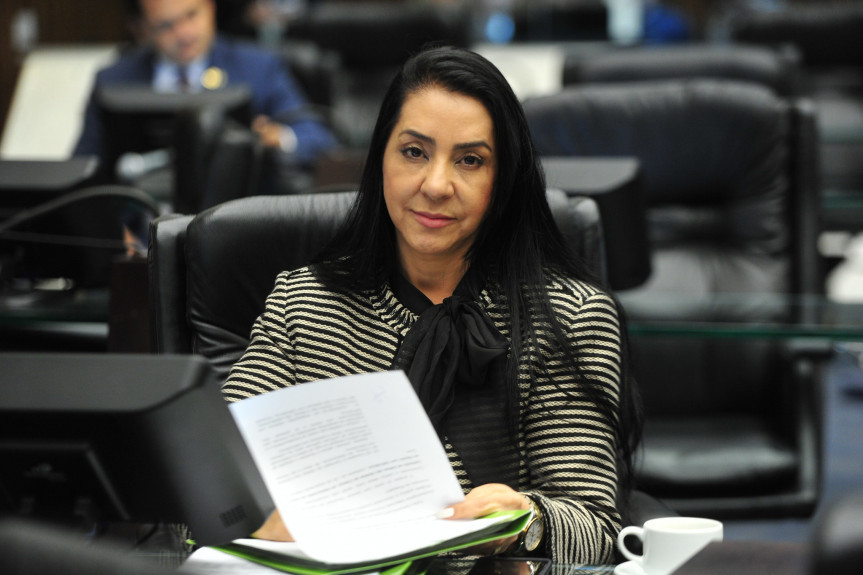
<point x="273" y="529"/>
<point x="482" y="501"/>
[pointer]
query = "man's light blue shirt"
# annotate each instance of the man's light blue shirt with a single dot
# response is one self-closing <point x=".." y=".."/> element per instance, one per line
<point x="166" y="76"/>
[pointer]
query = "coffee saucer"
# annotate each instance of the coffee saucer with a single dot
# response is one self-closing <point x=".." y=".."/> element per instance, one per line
<point x="629" y="568"/>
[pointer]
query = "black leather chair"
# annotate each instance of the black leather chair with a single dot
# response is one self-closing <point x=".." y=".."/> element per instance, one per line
<point x="828" y="34"/>
<point x="570" y="21"/>
<point x="777" y="69"/>
<point x="372" y="40"/>
<point x="729" y="175"/>
<point x="215" y="159"/>
<point x="829" y="38"/>
<point x="210" y="274"/>
<point x="837" y="537"/>
<point x="315" y="69"/>
<point x="30" y="547"/>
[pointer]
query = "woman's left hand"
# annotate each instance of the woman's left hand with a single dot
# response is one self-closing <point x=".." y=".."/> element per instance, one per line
<point x="482" y="501"/>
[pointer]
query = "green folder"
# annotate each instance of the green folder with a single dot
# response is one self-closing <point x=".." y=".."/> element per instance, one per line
<point x="405" y="564"/>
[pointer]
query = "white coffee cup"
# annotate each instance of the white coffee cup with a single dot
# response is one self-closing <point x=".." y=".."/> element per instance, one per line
<point x="669" y="541"/>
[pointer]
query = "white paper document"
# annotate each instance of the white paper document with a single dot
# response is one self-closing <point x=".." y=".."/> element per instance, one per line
<point x="354" y="466"/>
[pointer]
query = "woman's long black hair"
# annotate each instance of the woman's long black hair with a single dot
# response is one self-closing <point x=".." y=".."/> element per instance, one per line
<point x="517" y="242"/>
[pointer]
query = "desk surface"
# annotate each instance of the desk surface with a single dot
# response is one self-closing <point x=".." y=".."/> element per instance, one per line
<point x="54" y="306"/>
<point x="749" y="558"/>
<point x="724" y="558"/>
<point x="754" y="315"/>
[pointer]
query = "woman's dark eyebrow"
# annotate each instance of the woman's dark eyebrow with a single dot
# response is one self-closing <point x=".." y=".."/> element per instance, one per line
<point x="466" y="145"/>
<point x="477" y="144"/>
<point x="419" y="136"/>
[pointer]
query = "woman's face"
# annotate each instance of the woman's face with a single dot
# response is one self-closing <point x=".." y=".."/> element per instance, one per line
<point x="438" y="167"/>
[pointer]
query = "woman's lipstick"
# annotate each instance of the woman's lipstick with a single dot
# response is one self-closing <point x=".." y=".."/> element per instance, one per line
<point x="431" y="220"/>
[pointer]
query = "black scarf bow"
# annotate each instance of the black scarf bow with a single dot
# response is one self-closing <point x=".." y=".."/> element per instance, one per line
<point x="452" y="344"/>
<point x="454" y="357"/>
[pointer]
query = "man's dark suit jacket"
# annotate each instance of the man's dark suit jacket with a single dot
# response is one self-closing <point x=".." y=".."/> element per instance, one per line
<point x="274" y="93"/>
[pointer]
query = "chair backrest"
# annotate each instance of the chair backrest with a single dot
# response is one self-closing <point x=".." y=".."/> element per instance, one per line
<point x="826" y="35"/>
<point x="728" y="174"/>
<point x="571" y="21"/>
<point x="728" y="171"/>
<point x="732" y="424"/>
<point x="215" y="159"/>
<point x="380" y="34"/>
<point x="210" y="274"/>
<point x="371" y="41"/>
<point x="777" y="69"/>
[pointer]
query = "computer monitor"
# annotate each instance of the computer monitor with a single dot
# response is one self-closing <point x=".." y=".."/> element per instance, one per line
<point x="100" y="438"/>
<point x="615" y="184"/>
<point x="28" y="183"/>
<point x="138" y="119"/>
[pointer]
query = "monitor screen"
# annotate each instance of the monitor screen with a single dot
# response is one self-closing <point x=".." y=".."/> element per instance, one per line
<point x="137" y="118"/>
<point x="615" y="184"/>
<point x="99" y="438"/>
<point x="28" y="183"/>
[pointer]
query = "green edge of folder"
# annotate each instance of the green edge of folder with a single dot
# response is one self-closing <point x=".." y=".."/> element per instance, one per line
<point x="401" y="565"/>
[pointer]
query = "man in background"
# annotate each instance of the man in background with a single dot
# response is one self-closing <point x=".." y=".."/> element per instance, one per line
<point x="182" y="52"/>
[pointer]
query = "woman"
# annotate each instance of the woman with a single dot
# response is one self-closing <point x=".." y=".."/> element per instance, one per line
<point x="451" y="267"/>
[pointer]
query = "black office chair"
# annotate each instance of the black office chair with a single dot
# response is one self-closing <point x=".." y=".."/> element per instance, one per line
<point x="29" y="547"/>
<point x="837" y="537"/>
<point x="729" y="176"/>
<point x="372" y="40"/>
<point x="775" y="68"/>
<point x="210" y="274"/>
<point x="829" y="38"/>
<point x="215" y="159"/>
<point x="570" y="21"/>
<point x="828" y="34"/>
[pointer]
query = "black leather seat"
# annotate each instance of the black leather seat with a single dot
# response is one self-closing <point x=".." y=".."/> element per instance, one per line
<point x="372" y="40"/>
<point x="215" y="160"/>
<point x="829" y="38"/>
<point x="828" y="34"/>
<point x="570" y="21"/>
<point x="210" y="274"/>
<point x="837" y="538"/>
<point x="729" y="176"/>
<point x="777" y="69"/>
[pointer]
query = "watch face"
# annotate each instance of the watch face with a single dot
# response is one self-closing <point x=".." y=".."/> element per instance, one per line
<point x="533" y="535"/>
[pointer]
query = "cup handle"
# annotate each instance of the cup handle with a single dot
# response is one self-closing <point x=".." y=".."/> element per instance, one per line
<point x="621" y="544"/>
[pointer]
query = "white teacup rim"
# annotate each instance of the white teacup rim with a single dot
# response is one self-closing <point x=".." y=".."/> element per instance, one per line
<point x="680" y="523"/>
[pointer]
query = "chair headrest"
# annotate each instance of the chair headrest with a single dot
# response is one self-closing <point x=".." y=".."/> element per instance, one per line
<point x="720" y="150"/>
<point x="757" y="64"/>
<point x="234" y="252"/>
<point x="210" y="275"/>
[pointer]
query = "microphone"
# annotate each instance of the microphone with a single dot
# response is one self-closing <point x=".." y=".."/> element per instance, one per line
<point x="132" y="165"/>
